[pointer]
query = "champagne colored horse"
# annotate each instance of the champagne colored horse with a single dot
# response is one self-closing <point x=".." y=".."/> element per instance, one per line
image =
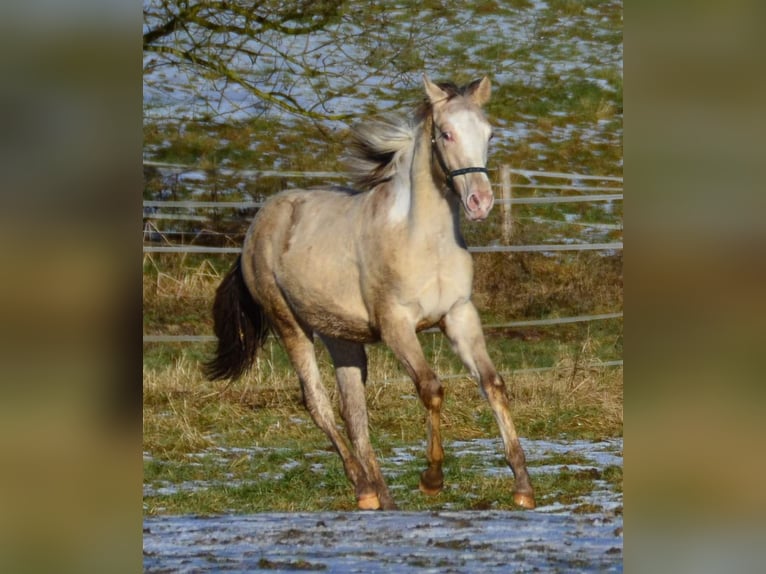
<point x="378" y="264"/>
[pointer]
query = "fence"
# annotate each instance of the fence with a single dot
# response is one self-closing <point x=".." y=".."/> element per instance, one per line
<point x="505" y="201"/>
<point x="567" y="182"/>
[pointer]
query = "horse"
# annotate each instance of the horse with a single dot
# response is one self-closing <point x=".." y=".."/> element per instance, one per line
<point x="376" y="263"/>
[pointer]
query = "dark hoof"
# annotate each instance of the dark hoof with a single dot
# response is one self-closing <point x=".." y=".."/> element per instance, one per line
<point x="431" y="482"/>
<point x="524" y="500"/>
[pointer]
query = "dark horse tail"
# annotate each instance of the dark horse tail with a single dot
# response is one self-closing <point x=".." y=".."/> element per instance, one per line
<point x="240" y="325"/>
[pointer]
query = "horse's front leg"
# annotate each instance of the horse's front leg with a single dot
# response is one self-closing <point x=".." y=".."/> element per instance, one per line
<point x="401" y="338"/>
<point x="463" y="328"/>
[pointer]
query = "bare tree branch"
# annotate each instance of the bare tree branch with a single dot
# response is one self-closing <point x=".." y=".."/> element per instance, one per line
<point x="297" y="57"/>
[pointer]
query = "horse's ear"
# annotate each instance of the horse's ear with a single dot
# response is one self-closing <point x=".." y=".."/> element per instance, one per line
<point x="435" y="93"/>
<point x="480" y="91"/>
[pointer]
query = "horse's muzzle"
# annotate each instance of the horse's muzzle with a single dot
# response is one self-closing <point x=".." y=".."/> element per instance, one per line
<point x="478" y="204"/>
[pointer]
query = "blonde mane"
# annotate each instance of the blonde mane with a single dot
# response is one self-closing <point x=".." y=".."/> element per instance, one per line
<point x="377" y="144"/>
<point x="375" y="147"/>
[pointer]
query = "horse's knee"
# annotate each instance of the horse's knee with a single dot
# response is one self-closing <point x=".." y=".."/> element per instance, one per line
<point x="493" y="386"/>
<point x="493" y="379"/>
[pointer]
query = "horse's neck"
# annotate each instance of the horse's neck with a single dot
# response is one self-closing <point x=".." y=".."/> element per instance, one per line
<point x="431" y="209"/>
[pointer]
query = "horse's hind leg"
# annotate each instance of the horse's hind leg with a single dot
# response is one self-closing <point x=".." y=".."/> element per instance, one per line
<point x="300" y="348"/>
<point x="463" y="328"/>
<point x="350" y="362"/>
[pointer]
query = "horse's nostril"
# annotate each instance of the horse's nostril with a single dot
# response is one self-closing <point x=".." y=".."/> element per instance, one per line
<point x="478" y="201"/>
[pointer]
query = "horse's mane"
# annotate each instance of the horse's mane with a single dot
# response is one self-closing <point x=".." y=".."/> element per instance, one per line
<point x="377" y="144"/>
<point x="375" y="147"/>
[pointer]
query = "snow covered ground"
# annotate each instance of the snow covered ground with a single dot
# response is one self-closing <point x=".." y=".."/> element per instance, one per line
<point x="466" y="541"/>
<point x="551" y="538"/>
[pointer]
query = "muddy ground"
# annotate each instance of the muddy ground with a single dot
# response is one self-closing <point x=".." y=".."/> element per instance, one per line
<point x="466" y="541"/>
<point x="553" y="538"/>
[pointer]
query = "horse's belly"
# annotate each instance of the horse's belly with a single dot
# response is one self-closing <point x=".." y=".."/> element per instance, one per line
<point x="335" y="319"/>
<point x="329" y="301"/>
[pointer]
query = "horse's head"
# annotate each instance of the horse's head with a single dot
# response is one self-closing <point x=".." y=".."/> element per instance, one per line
<point x="460" y="138"/>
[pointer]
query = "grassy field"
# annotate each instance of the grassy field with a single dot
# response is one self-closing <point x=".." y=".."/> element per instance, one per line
<point x="256" y="432"/>
<point x="249" y="445"/>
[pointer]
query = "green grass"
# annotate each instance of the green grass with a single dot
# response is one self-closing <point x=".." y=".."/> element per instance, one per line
<point x="285" y="479"/>
<point x="250" y="445"/>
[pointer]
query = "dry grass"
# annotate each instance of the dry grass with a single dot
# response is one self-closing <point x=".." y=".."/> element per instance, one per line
<point x="193" y="427"/>
<point x="522" y="285"/>
<point x="185" y="413"/>
<point x="178" y="291"/>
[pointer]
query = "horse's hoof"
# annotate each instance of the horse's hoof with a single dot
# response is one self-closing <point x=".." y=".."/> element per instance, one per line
<point x="368" y="502"/>
<point x="430" y="490"/>
<point x="524" y="500"/>
<point x="431" y="481"/>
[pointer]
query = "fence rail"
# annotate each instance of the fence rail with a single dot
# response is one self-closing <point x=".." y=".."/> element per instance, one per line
<point x="527" y="173"/>
<point x="257" y="204"/>
<point x="509" y="325"/>
<point x="248" y="172"/>
<point x="617" y="245"/>
<point x="506" y="201"/>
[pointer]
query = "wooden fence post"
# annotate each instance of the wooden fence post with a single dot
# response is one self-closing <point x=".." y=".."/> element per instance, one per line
<point x="505" y="184"/>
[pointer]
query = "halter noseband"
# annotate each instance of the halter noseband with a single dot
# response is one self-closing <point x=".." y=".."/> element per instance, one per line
<point x="457" y="172"/>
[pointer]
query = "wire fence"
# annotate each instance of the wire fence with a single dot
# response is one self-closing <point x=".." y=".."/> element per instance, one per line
<point x="526" y="173"/>
<point x="258" y="204"/>
<point x="570" y="182"/>
<point x="488" y="326"/>
<point x="476" y="249"/>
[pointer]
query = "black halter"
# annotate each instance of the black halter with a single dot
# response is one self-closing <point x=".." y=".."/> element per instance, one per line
<point x="455" y="172"/>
